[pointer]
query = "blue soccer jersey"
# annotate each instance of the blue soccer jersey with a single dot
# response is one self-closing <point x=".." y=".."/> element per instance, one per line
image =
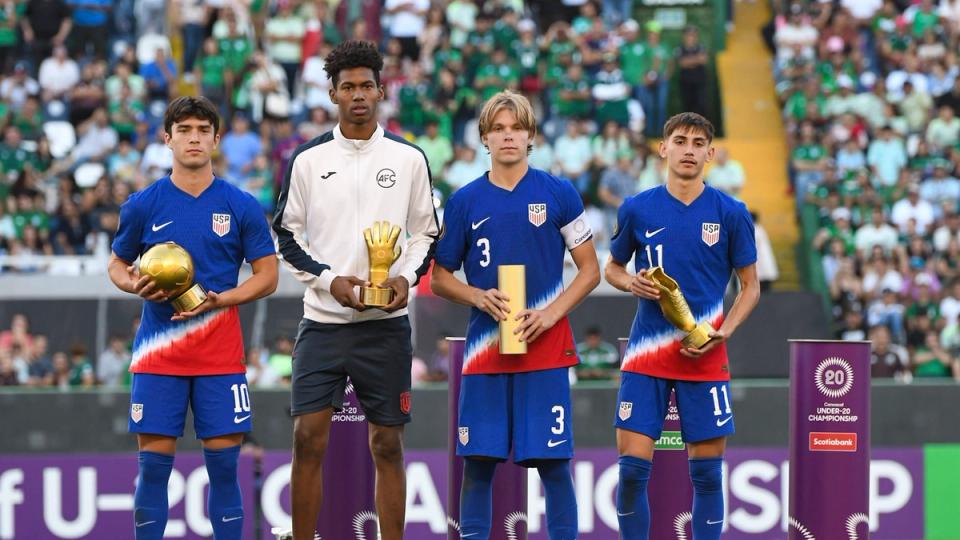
<point x="220" y="229"/>
<point x="699" y="245"/>
<point x="486" y="226"/>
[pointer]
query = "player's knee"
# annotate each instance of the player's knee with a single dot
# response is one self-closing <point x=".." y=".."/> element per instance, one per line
<point x="706" y="474"/>
<point x="386" y="446"/>
<point x="309" y="443"/>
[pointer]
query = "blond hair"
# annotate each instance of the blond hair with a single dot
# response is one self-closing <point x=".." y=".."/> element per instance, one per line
<point x="518" y="104"/>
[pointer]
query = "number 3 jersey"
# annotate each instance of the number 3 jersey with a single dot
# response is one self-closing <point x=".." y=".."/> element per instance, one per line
<point x="219" y="229"/>
<point x="486" y="226"/>
<point x="699" y="245"/>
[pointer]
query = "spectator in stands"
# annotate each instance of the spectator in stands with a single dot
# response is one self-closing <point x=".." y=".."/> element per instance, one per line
<point x="268" y="91"/>
<point x="932" y="360"/>
<point x="853" y="328"/>
<point x="407" y="22"/>
<point x="438" y="150"/>
<point x="58" y="75"/>
<point x="89" y="34"/>
<point x="240" y="147"/>
<point x="96" y="138"/>
<point x="610" y="93"/>
<point x="767" y="270"/>
<point x="467" y="167"/>
<point x="41" y="365"/>
<point x="941" y="188"/>
<point x="912" y="212"/>
<point x="15" y="90"/>
<point x="70" y="235"/>
<point x="191" y="17"/>
<point x="260" y="183"/>
<point x="850" y="158"/>
<point x="886" y="156"/>
<point x="160" y="74"/>
<point x="284" y="35"/>
<point x="616" y="184"/>
<point x="726" y="174"/>
<point x="915" y="105"/>
<point x="809" y="161"/>
<point x="599" y="360"/>
<point x="8" y="372"/>
<point x="462" y="18"/>
<point x="259" y="372"/>
<point x="157" y="157"/>
<point x="944" y="130"/>
<point x="46" y="24"/>
<point x="281" y="360"/>
<point x="657" y="61"/>
<point x="113" y="363"/>
<point x="573" y="153"/>
<point x="61" y="371"/>
<point x="887" y="359"/>
<point x="691" y="59"/>
<point x="876" y="233"/>
<point x="81" y="370"/>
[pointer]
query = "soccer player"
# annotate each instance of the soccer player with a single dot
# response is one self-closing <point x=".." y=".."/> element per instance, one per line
<point x="700" y="236"/>
<point x="336" y="186"/>
<point x="192" y="358"/>
<point x="516" y="215"/>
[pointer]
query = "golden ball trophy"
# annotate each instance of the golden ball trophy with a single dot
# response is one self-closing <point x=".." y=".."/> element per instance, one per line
<point x="171" y="268"/>
<point x="512" y="281"/>
<point x="383" y="251"/>
<point x="676" y="310"/>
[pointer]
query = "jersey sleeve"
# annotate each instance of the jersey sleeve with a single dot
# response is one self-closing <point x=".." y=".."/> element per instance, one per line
<point x="257" y="242"/>
<point x="743" y="239"/>
<point x="452" y="247"/>
<point x="573" y="218"/>
<point x="622" y="244"/>
<point x="128" y="241"/>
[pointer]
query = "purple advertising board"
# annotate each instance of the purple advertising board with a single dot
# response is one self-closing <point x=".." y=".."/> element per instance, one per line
<point x="509" y="482"/>
<point x="829" y="439"/>
<point x="40" y="496"/>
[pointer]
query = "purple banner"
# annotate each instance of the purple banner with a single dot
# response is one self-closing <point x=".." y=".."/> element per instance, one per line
<point x="39" y="495"/>
<point x="829" y="439"/>
<point x="509" y="482"/>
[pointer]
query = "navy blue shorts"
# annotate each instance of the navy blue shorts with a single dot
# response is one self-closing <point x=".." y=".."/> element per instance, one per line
<point x="220" y="404"/>
<point x="529" y="412"/>
<point x="704" y="407"/>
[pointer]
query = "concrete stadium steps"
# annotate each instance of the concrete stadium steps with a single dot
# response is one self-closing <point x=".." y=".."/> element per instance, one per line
<point x="755" y="134"/>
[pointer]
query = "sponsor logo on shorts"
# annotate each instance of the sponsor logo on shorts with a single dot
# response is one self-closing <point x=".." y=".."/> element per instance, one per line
<point x="136" y="412"/>
<point x="626" y="409"/>
<point x="670" y="440"/>
<point x="405" y="402"/>
<point x="833" y="442"/>
<point x="464" y="435"/>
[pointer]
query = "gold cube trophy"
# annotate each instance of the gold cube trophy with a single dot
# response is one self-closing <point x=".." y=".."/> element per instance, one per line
<point x="676" y="310"/>
<point x="512" y="281"/>
<point x="171" y="268"/>
<point x="383" y="251"/>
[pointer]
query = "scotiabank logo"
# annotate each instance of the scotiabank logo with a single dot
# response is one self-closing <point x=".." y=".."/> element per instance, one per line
<point x="833" y="442"/>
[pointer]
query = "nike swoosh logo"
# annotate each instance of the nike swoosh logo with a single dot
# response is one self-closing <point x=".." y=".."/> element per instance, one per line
<point x="714" y="522"/>
<point x="328" y="175"/>
<point x="720" y="423"/>
<point x="627" y="514"/>
<point x="468" y="535"/>
<point x="477" y="225"/>
<point x="158" y="227"/>
<point x="228" y="520"/>
<point x="238" y="419"/>
<point x="145" y="523"/>
<point x="551" y="444"/>
<point x="648" y="234"/>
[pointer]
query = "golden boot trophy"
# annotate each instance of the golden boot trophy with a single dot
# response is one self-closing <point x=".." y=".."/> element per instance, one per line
<point x="171" y="268"/>
<point x="383" y="251"/>
<point x="676" y="310"/>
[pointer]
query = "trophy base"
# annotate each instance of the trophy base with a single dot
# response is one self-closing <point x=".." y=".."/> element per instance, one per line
<point x="375" y="296"/>
<point x="699" y="337"/>
<point x="189" y="300"/>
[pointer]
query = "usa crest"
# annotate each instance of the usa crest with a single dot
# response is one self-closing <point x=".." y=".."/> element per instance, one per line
<point x="710" y="233"/>
<point x="626" y="409"/>
<point x="537" y="213"/>
<point x="464" y="435"/>
<point x="136" y="412"/>
<point x="221" y="224"/>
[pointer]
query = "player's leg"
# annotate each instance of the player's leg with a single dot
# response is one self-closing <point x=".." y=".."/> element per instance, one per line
<point x="379" y="368"/>
<point x="221" y="415"/>
<point x="158" y="405"/>
<point x="319" y="382"/>
<point x="642" y="406"/>
<point x="543" y="438"/>
<point x="706" y="420"/>
<point x="483" y="440"/>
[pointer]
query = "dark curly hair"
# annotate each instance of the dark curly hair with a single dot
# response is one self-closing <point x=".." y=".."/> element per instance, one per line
<point x="353" y="54"/>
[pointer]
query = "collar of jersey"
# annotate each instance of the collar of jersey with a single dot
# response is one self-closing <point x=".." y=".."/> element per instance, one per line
<point x="356" y="145"/>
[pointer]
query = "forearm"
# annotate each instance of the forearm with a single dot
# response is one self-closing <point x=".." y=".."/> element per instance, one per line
<point x="117" y="270"/>
<point x="258" y="285"/>
<point x="445" y="285"/>
<point x="617" y="275"/>
<point x="742" y="307"/>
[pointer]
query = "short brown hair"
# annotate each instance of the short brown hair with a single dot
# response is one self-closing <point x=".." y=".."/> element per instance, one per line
<point x="512" y="101"/>
<point x="191" y="107"/>
<point x="688" y="121"/>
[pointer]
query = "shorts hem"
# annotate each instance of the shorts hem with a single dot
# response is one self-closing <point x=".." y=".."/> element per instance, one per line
<point x="708" y="437"/>
<point x="388" y="422"/>
<point x="231" y="432"/>
<point x="498" y="459"/>
<point x="313" y="409"/>
<point x="155" y="432"/>
<point x="648" y="433"/>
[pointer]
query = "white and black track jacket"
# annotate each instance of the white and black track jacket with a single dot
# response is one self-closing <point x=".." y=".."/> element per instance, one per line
<point x="333" y="189"/>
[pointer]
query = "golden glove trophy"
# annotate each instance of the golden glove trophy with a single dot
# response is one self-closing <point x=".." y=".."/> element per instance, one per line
<point x="383" y="251"/>
<point x="171" y="268"/>
<point x="676" y="310"/>
<point x="512" y="281"/>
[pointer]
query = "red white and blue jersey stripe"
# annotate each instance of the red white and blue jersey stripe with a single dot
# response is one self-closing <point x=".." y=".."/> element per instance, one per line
<point x="699" y="245"/>
<point x="486" y="226"/>
<point x="220" y="229"/>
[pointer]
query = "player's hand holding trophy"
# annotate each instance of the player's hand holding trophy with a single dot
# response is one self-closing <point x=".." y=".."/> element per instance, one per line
<point x="676" y="310"/>
<point x="171" y="268"/>
<point x="383" y="251"/>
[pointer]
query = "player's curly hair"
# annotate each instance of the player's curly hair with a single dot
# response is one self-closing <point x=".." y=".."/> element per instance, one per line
<point x="688" y="121"/>
<point x="353" y="54"/>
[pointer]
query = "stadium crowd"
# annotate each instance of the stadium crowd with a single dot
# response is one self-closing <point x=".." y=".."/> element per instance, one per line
<point x="870" y="91"/>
